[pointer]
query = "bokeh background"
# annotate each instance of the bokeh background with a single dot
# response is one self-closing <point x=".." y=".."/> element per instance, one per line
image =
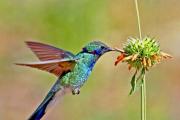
<point x="70" y="24"/>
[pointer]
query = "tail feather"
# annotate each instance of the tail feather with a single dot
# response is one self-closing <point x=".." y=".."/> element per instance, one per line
<point x="41" y="110"/>
<point x="56" y="91"/>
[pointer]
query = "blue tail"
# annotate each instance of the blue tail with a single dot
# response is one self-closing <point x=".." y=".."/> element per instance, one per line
<point x="41" y="110"/>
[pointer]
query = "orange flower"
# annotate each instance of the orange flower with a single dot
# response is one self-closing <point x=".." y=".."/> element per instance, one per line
<point x="119" y="58"/>
<point x="144" y="62"/>
<point x="165" y="55"/>
<point x="134" y="57"/>
<point x="149" y="62"/>
<point x="129" y="67"/>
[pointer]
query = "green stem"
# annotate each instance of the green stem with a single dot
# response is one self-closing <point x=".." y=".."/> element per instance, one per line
<point x="138" y="19"/>
<point x="143" y="87"/>
<point x="143" y="98"/>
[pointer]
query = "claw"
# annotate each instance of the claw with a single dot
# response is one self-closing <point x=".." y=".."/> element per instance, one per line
<point x="76" y="91"/>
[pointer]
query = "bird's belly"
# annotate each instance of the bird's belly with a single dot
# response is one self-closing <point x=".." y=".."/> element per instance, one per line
<point x="80" y="76"/>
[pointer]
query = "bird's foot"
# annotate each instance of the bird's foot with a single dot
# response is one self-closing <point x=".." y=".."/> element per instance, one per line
<point x="76" y="91"/>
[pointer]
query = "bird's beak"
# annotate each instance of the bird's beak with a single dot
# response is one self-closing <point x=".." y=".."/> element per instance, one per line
<point x="116" y="49"/>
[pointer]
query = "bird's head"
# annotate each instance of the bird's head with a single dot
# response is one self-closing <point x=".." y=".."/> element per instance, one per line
<point x="97" y="48"/>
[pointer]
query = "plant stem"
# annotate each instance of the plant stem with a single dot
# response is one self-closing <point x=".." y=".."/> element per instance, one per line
<point x="138" y="19"/>
<point x="143" y="99"/>
<point x="143" y="87"/>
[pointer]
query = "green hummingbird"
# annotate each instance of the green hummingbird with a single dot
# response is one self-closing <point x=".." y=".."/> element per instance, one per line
<point x="72" y="70"/>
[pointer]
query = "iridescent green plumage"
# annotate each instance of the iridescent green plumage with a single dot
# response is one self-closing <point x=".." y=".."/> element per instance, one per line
<point x="72" y="70"/>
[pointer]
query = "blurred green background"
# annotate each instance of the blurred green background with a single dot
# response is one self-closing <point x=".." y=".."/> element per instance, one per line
<point x="70" y="24"/>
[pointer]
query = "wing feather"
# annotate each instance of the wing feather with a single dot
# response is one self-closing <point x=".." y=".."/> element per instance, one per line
<point x="47" y="52"/>
<point x="56" y="67"/>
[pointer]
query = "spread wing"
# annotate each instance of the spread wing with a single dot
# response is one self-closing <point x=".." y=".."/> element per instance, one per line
<point x="47" y="52"/>
<point x="57" y="67"/>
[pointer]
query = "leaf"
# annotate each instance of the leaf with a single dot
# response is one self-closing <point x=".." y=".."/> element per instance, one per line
<point x="139" y="80"/>
<point x="136" y="83"/>
<point x="133" y="83"/>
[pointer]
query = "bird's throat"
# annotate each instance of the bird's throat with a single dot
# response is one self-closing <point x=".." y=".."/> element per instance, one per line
<point x="88" y="60"/>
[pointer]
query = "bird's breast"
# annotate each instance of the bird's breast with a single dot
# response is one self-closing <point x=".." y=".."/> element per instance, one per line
<point x="80" y="74"/>
<point x="81" y="71"/>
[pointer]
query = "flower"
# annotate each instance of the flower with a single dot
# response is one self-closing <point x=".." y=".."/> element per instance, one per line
<point x="140" y="54"/>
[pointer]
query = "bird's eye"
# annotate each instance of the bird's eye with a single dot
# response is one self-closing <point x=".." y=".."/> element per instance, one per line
<point x="85" y="50"/>
<point x="102" y="47"/>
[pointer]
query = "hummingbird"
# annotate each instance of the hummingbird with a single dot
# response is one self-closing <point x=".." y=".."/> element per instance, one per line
<point x="72" y="70"/>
